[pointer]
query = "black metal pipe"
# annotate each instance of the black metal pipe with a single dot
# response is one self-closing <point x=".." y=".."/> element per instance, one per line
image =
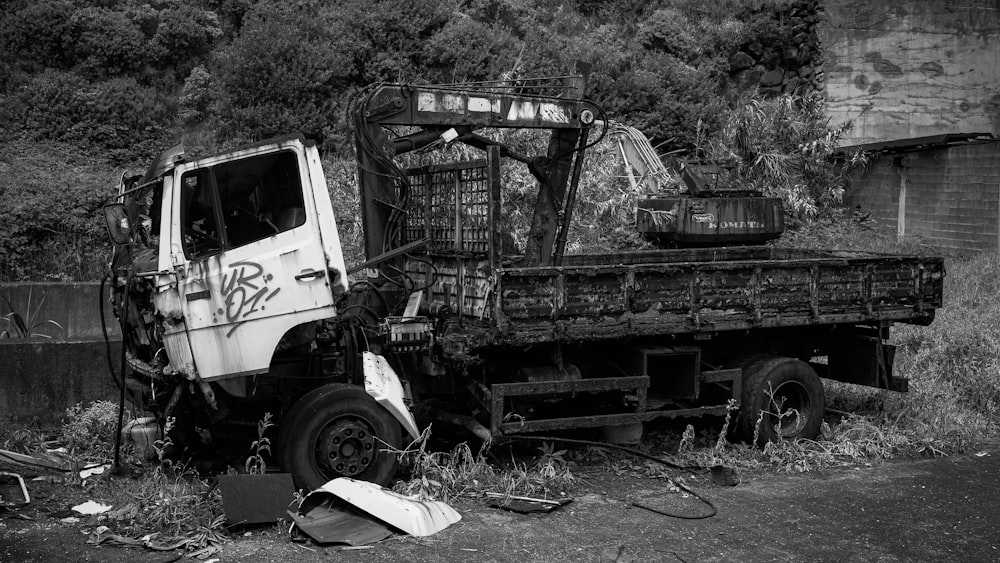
<point x="567" y="217"/>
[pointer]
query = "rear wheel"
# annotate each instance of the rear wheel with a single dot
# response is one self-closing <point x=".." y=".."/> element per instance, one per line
<point x="782" y="400"/>
<point x="335" y="431"/>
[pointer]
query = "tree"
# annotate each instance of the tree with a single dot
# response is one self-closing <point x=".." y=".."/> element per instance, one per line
<point x="288" y="70"/>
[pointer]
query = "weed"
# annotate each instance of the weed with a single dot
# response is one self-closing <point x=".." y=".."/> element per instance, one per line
<point x="90" y="431"/>
<point x="163" y="446"/>
<point x="687" y="441"/>
<point x="173" y="501"/>
<point x="255" y="464"/>
<point x="22" y="436"/>
<point x="552" y="464"/>
<point x="721" y="441"/>
<point x="462" y="473"/>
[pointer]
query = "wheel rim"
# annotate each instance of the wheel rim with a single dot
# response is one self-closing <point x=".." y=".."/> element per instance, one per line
<point x="793" y="398"/>
<point x="346" y="447"/>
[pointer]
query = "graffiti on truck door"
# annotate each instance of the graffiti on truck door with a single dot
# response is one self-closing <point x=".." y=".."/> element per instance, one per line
<point x="245" y="291"/>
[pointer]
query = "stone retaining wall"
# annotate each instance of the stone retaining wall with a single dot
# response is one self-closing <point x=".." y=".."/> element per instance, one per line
<point x="59" y="366"/>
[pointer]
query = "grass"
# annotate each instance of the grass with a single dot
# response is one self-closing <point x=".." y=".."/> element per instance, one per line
<point x="460" y="473"/>
<point x="843" y="229"/>
<point x="172" y="501"/>
<point x="953" y="405"/>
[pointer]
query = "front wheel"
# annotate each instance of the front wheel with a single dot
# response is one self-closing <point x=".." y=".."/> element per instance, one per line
<point x="782" y="400"/>
<point x="335" y="431"/>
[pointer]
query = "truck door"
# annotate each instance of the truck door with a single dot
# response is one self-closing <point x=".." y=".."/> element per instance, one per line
<point x="248" y="256"/>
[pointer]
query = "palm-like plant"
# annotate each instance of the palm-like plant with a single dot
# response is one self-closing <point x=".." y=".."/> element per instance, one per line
<point x="784" y="146"/>
<point x="26" y="325"/>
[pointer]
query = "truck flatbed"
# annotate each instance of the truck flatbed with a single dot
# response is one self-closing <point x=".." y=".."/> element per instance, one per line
<point x="659" y="292"/>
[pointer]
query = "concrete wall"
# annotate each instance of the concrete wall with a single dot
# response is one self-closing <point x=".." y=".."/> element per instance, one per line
<point x="949" y="195"/>
<point x="912" y="68"/>
<point x="71" y="304"/>
<point x="44" y="376"/>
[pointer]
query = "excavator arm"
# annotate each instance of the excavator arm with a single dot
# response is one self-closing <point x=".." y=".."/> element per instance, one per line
<point x="447" y="114"/>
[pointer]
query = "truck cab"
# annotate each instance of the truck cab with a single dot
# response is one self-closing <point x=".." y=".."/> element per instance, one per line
<point x="245" y="252"/>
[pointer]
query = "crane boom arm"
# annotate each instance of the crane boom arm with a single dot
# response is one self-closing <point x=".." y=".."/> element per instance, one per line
<point x="449" y="113"/>
<point x="429" y="106"/>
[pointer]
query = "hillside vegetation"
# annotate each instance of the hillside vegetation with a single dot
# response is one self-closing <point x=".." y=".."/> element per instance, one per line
<point x="91" y="88"/>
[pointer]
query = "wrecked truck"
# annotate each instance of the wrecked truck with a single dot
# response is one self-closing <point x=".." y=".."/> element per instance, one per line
<point x="231" y="286"/>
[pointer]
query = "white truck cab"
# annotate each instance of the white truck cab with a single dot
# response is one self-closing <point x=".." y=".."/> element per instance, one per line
<point x="248" y="251"/>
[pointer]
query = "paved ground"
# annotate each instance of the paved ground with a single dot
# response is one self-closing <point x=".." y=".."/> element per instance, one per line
<point x="945" y="509"/>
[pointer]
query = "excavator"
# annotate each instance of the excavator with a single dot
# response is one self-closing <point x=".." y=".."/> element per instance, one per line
<point x="698" y="211"/>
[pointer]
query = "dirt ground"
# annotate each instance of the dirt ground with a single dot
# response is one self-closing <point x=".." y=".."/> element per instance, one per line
<point x="943" y="509"/>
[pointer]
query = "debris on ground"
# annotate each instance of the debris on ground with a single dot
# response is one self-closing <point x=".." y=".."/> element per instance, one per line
<point x="256" y="499"/>
<point x="724" y="476"/>
<point x="326" y="523"/>
<point x="94" y="469"/>
<point x="345" y="510"/>
<point x="525" y="505"/>
<point x="13" y="492"/>
<point x="49" y="460"/>
<point x="91" y="507"/>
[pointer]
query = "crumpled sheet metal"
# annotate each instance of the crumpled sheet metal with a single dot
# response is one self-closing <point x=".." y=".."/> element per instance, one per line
<point x="414" y="517"/>
<point x="527" y="506"/>
<point x="327" y="523"/>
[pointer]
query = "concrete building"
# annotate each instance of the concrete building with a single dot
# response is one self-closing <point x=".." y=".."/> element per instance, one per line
<point x="920" y="81"/>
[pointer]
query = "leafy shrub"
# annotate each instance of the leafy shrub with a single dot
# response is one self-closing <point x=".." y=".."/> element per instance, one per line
<point x="91" y="430"/>
<point x="341" y="180"/>
<point x="32" y="33"/>
<point x="198" y="98"/>
<point x="118" y="115"/>
<point x="387" y="40"/>
<point x="285" y="72"/>
<point x="468" y="50"/>
<point x="184" y="35"/>
<point x="783" y="147"/>
<point x="103" y="42"/>
<point x="51" y="227"/>
<point x="668" y="31"/>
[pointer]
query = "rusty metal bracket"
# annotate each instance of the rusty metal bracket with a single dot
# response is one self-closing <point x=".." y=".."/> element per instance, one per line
<point x="501" y="391"/>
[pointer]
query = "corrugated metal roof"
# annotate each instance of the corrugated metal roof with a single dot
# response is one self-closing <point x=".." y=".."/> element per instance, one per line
<point x="918" y="143"/>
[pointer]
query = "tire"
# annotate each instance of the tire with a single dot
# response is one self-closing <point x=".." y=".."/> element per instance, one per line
<point x="795" y="386"/>
<point x="335" y="431"/>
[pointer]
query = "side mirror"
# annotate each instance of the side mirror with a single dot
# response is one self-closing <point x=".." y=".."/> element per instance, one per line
<point x="118" y="225"/>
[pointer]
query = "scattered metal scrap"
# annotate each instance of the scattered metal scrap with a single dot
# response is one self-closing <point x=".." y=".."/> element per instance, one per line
<point x="325" y="522"/>
<point x="525" y="505"/>
<point x="13" y="492"/>
<point x="256" y="499"/>
<point x="39" y="460"/>
<point x="346" y="510"/>
<point x="712" y="509"/>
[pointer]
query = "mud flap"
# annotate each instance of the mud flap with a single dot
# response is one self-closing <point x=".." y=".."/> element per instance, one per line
<point x="382" y="383"/>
